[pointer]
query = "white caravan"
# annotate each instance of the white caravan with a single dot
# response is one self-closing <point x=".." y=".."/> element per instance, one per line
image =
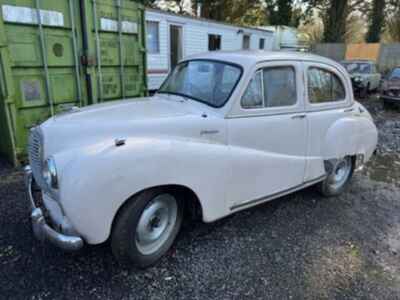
<point x="172" y="37"/>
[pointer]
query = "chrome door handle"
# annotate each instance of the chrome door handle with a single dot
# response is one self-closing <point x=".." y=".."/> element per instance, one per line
<point x="301" y="116"/>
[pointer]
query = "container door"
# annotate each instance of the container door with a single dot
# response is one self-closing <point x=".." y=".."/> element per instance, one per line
<point x="43" y="41"/>
<point x="116" y="49"/>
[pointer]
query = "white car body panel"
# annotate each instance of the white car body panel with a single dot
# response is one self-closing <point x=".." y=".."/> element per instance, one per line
<point x="227" y="156"/>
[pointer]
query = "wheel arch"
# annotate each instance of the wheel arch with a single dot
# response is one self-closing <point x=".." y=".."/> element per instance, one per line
<point x="192" y="206"/>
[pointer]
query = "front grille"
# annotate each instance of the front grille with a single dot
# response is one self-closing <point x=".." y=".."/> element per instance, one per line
<point x="35" y="152"/>
<point x="395" y="93"/>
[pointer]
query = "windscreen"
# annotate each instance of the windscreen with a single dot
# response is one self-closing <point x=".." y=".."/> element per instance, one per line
<point x="209" y="82"/>
<point x="357" y="68"/>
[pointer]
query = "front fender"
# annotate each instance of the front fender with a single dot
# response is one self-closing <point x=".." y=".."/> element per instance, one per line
<point x="102" y="177"/>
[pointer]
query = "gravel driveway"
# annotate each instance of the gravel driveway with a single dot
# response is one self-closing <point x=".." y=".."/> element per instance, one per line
<point x="299" y="246"/>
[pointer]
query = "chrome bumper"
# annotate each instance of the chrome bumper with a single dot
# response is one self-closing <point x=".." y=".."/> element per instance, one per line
<point x="41" y="229"/>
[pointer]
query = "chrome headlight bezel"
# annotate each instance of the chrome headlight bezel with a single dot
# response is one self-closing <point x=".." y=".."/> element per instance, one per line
<point x="49" y="173"/>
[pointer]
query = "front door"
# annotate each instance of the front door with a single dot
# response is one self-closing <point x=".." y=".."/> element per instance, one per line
<point x="175" y="45"/>
<point x="268" y="136"/>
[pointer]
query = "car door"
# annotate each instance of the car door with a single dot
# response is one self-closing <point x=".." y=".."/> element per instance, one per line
<point x="328" y="99"/>
<point x="267" y="135"/>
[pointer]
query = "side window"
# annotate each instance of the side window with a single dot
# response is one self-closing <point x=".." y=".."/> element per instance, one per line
<point x="279" y="86"/>
<point x="324" y="86"/>
<point x="253" y="96"/>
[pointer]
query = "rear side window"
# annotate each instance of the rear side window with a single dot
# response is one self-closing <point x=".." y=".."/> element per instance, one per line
<point x="324" y="86"/>
<point x="271" y="87"/>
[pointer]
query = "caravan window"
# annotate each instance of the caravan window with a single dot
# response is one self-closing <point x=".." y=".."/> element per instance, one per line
<point x="214" y="42"/>
<point x="262" y="44"/>
<point x="246" y="42"/>
<point x="153" y="37"/>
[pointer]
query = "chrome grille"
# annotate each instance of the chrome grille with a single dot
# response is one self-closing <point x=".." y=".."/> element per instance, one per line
<point x="35" y="152"/>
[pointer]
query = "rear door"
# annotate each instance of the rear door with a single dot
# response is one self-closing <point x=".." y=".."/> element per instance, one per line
<point x="268" y="135"/>
<point x="328" y="99"/>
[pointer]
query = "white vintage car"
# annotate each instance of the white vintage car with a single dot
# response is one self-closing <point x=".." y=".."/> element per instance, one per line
<point x="226" y="131"/>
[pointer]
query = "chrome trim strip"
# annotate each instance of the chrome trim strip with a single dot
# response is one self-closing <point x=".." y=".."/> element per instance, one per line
<point x="41" y="229"/>
<point x="278" y="194"/>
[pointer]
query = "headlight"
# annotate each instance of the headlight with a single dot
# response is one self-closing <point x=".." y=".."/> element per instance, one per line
<point x="50" y="173"/>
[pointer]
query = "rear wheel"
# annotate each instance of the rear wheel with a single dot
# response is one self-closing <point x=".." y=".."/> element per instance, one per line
<point x="146" y="227"/>
<point x="338" y="177"/>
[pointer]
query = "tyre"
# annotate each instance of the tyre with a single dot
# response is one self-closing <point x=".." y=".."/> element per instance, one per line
<point x="387" y="105"/>
<point x="365" y="91"/>
<point x="338" y="177"/>
<point x="146" y="227"/>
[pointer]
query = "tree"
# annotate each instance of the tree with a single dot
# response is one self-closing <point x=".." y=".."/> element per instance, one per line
<point x="335" y="25"/>
<point x="376" y="21"/>
<point x="279" y="12"/>
<point x="335" y="15"/>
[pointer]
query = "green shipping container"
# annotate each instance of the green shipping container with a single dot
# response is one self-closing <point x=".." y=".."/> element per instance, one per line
<point x="55" y="54"/>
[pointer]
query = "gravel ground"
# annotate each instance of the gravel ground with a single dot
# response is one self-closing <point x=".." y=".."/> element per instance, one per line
<point x="301" y="246"/>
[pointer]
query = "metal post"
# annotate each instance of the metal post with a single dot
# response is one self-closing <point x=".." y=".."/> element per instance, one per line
<point x="44" y="57"/>
<point x="121" y="57"/>
<point x="98" y="53"/>
<point x="77" y="69"/>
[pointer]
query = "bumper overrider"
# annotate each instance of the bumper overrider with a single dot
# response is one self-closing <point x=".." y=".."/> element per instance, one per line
<point x="41" y="229"/>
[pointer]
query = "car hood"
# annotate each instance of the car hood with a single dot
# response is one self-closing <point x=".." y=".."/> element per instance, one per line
<point x="104" y="123"/>
<point x="126" y="110"/>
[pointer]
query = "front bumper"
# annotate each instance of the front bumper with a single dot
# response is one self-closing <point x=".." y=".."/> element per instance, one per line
<point x="41" y="229"/>
<point x="389" y="99"/>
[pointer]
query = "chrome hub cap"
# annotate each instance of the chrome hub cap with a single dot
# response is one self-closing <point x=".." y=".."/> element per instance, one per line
<point x="340" y="173"/>
<point x="156" y="223"/>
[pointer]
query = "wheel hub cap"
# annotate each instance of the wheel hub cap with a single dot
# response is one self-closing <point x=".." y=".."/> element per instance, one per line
<point x="340" y="172"/>
<point x="156" y="223"/>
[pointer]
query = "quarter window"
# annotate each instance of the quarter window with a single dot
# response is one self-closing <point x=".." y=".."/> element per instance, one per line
<point x="324" y="86"/>
<point x="271" y="87"/>
<point x="253" y="96"/>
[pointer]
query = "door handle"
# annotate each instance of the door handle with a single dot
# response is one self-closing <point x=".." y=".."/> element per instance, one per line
<point x="348" y="110"/>
<point x="301" y="116"/>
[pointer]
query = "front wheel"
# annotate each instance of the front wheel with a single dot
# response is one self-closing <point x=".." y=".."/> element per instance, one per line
<point x="338" y="177"/>
<point x="146" y="227"/>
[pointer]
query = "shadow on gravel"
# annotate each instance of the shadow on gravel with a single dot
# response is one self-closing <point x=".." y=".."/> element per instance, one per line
<point x="301" y="246"/>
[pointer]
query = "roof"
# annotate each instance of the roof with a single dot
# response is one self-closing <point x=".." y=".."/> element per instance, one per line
<point x="251" y="57"/>
<point x="160" y="11"/>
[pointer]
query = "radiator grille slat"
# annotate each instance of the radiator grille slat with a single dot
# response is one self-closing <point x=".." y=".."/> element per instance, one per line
<point x="35" y="152"/>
